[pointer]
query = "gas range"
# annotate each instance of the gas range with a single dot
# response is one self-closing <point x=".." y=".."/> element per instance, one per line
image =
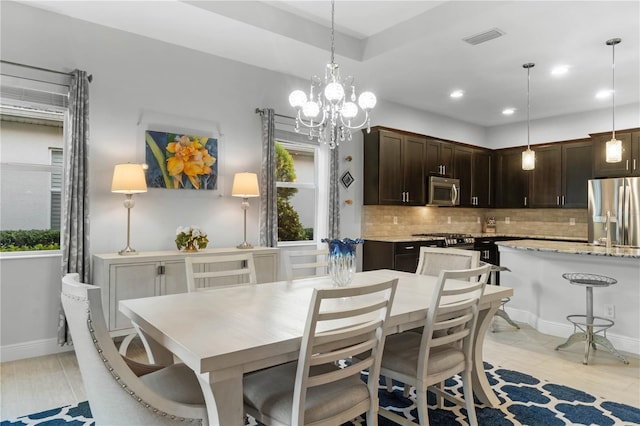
<point x="462" y="241"/>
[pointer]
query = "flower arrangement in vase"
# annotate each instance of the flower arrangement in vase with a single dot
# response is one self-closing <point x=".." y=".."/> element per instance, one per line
<point x="190" y="238"/>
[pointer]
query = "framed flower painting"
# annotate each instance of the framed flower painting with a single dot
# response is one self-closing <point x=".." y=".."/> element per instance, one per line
<point x="181" y="161"/>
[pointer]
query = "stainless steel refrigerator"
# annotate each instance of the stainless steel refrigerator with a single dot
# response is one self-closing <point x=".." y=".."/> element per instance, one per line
<point x="614" y="211"/>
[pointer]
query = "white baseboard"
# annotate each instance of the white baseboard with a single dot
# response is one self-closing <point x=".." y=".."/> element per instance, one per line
<point x="621" y="343"/>
<point x="32" y="349"/>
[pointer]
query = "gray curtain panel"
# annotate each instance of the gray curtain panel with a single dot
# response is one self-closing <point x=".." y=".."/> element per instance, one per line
<point x="334" y="194"/>
<point x="74" y="235"/>
<point x="268" y="192"/>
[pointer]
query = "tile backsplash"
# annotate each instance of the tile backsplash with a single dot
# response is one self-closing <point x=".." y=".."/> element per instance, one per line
<point x="398" y="221"/>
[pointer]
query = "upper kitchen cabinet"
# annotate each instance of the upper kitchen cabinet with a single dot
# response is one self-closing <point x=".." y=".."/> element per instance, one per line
<point x="394" y="170"/>
<point x="545" y="181"/>
<point x="440" y="157"/>
<point x="512" y="183"/>
<point x="473" y="168"/>
<point x="577" y="169"/>
<point x="630" y="164"/>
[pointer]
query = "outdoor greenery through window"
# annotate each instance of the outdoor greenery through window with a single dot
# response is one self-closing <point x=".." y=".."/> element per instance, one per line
<point x="296" y="171"/>
<point x="31" y="181"/>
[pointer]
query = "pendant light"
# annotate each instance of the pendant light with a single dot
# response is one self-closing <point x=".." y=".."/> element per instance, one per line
<point x="614" y="146"/>
<point x="528" y="156"/>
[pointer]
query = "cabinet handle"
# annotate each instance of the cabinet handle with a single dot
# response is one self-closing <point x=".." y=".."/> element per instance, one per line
<point x="557" y="200"/>
<point x="407" y="196"/>
<point x="525" y="201"/>
<point x="563" y="200"/>
<point x="160" y="270"/>
<point x="627" y="165"/>
<point x="444" y="170"/>
<point x="409" y="248"/>
<point x="634" y="164"/>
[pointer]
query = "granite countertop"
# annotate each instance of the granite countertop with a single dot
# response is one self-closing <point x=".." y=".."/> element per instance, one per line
<point x="402" y="239"/>
<point x="571" y="248"/>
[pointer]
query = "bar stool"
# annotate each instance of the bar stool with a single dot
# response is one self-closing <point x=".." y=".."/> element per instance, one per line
<point x="501" y="312"/>
<point x="590" y="325"/>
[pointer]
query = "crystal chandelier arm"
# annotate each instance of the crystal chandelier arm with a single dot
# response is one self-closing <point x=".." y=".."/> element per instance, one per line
<point x="365" y="120"/>
<point x="309" y="124"/>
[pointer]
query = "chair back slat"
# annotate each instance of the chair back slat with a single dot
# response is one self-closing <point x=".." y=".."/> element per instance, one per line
<point x="205" y="272"/>
<point x="432" y="260"/>
<point x="305" y="263"/>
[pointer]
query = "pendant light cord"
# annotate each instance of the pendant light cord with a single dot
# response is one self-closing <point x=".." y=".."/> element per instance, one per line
<point x="528" y="106"/>
<point x="613" y="89"/>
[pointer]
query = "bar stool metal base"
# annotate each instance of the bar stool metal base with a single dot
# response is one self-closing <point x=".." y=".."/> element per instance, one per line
<point x="590" y="325"/>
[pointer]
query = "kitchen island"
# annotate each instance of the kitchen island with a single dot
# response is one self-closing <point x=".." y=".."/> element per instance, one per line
<point x="543" y="299"/>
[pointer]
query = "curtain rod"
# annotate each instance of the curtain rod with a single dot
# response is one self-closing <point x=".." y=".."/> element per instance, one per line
<point x="261" y="112"/>
<point x="90" y="77"/>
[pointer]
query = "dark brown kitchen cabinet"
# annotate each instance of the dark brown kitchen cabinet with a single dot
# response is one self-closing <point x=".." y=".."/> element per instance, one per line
<point x="545" y="181"/>
<point x="400" y="255"/>
<point x="635" y="153"/>
<point x="439" y="157"/>
<point x="482" y="182"/>
<point x="473" y="168"/>
<point x="394" y="168"/>
<point x="512" y="183"/>
<point x="621" y="168"/>
<point x="577" y="169"/>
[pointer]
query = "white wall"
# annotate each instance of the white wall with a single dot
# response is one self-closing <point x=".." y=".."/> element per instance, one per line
<point x="566" y="127"/>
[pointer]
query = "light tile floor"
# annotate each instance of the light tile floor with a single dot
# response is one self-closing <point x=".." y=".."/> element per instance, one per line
<point x="37" y="384"/>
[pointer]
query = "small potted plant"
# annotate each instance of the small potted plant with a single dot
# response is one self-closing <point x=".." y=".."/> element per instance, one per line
<point x="190" y="238"/>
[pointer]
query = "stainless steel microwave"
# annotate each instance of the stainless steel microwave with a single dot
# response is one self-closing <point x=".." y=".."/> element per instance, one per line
<point x="442" y="191"/>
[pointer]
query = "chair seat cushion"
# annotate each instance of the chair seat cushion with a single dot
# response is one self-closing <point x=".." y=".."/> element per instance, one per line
<point x="176" y="382"/>
<point x="401" y="355"/>
<point x="270" y="392"/>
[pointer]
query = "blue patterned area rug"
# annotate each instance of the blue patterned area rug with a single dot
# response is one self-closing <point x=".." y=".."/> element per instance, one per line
<point x="525" y="401"/>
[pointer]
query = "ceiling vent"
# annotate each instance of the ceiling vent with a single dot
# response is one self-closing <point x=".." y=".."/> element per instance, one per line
<point x="484" y="36"/>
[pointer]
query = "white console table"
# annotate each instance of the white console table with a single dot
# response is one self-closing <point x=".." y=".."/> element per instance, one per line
<point x="157" y="273"/>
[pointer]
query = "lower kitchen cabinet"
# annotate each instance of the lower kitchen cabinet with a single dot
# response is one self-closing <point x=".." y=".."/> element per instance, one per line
<point x="399" y="256"/>
<point x="159" y="273"/>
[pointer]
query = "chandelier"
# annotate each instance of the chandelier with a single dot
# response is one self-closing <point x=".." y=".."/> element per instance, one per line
<point x="330" y="111"/>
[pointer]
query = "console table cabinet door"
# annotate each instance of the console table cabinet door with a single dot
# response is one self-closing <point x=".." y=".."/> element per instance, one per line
<point x="174" y="277"/>
<point x="130" y="281"/>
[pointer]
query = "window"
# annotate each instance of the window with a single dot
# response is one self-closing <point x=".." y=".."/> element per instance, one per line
<point x="297" y="192"/>
<point x="31" y="151"/>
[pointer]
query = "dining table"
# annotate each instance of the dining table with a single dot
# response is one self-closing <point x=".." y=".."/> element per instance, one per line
<point x="225" y="333"/>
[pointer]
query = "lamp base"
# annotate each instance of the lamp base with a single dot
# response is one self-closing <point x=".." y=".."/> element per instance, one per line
<point x="244" y="245"/>
<point x="127" y="251"/>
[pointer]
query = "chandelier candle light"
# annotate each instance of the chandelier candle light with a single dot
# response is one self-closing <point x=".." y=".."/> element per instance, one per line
<point x="245" y="185"/>
<point x="128" y="179"/>
<point x="528" y="156"/>
<point x="614" y="146"/>
<point x="327" y="112"/>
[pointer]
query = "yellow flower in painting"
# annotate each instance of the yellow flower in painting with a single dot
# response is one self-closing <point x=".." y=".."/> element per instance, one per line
<point x="191" y="158"/>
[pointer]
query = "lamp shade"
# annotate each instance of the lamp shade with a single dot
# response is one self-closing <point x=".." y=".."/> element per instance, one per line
<point x="245" y="185"/>
<point x="128" y="179"/>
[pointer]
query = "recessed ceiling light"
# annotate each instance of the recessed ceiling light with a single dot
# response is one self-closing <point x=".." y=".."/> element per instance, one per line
<point x="457" y="94"/>
<point x="603" y="94"/>
<point x="508" y="111"/>
<point x="560" y="70"/>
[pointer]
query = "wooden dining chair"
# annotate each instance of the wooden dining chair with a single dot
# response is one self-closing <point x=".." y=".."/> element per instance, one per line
<point x="444" y="348"/>
<point x="206" y="272"/>
<point x="342" y="322"/>
<point x="435" y="259"/>
<point x="122" y="391"/>
<point x="305" y="263"/>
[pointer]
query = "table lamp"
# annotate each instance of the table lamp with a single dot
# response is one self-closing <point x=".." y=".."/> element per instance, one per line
<point x="128" y="179"/>
<point x="245" y="185"/>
